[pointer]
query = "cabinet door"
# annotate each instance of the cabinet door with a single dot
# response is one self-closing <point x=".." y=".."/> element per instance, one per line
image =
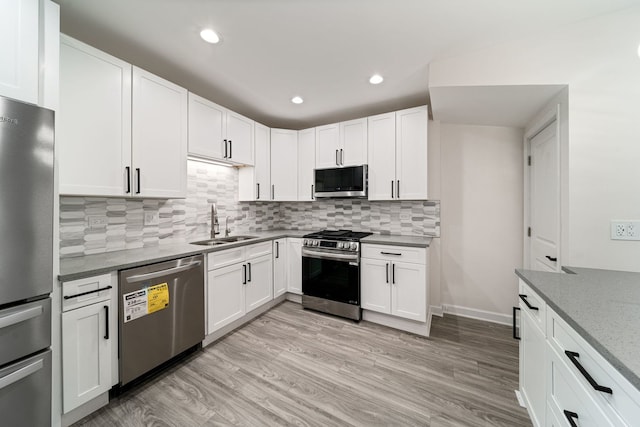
<point x="411" y="154"/>
<point x="382" y="155"/>
<point x="409" y="291"/>
<point x="280" y="266"/>
<point x="532" y="367"/>
<point x="206" y="128"/>
<point x="159" y="137"/>
<point x="294" y="262"/>
<point x="375" y="285"/>
<point x="327" y="146"/>
<point x="262" y="163"/>
<point x="225" y="296"/>
<point x="284" y="158"/>
<point x="19" y="56"/>
<point x="306" y="163"/>
<point x="353" y="142"/>
<point x="93" y="152"/>
<point x="259" y="287"/>
<point x="86" y="353"/>
<point x="240" y="137"/>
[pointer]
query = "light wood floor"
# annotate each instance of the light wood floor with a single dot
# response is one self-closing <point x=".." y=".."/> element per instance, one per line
<point x="296" y="367"/>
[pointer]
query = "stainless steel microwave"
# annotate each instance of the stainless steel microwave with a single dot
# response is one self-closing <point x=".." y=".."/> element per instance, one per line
<point x="350" y="181"/>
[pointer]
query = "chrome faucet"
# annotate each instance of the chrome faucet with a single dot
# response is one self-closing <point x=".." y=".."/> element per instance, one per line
<point x="215" y="226"/>
<point x="227" y="230"/>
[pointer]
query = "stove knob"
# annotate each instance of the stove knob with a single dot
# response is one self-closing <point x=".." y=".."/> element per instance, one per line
<point x="339" y="245"/>
<point x="305" y="242"/>
<point x="354" y="246"/>
<point x="316" y="243"/>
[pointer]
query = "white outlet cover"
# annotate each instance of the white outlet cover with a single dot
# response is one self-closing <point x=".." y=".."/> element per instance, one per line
<point x="625" y="230"/>
<point x="151" y="218"/>
<point x="97" y="221"/>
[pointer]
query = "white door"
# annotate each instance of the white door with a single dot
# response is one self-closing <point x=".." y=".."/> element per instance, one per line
<point x="411" y="154"/>
<point x="206" y="128"/>
<point x="19" y="56"/>
<point x="375" y="285"/>
<point x="279" y="267"/>
<point x="327" y="146"/>
<point x="408" y="291"/>
<point x="545" y="195"/>
<point x="259" y="287"/>
<point x="284" y="160"/>
<point x="262" y="162"/>
<point x="225" y="296"/>
<point x="240" y="138"/>
<point x="353" y="142"/>
<point x="94" y="154"/>
<point x="382" y="154"/>
<point x="159" y="137"/>
<point x="306" y="163"/>
<point x="86" y="354"/>
<point x="294" y="261"/>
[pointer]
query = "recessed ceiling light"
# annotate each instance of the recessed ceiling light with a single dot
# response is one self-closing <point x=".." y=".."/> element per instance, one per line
<point x="376" y="79"/>
<point x="297" y="100"/>
<point x="209" y="36"/>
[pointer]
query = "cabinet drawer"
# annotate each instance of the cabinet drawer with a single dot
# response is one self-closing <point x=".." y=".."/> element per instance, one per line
<point x="565" y="393"/>
<point x="533" y="304"/>
<point x="624" y="399"/>
<point x="224" y="258"/>
<point x="258" y="249"/>
<point x="395" y="253"/>
<point x="24" y="329"/>
<point x="81" y="292"/>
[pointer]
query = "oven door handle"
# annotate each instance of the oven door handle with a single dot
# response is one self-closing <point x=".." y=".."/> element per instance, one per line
<point x="333" y="256"/>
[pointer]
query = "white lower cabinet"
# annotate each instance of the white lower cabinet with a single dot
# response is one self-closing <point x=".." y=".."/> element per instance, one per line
<point x="294" y="260"/>
<point x="394" y="281"/>
<point x="280" y="267"/>
<point x="89" y="340"/>
<point x="239" y="280"/>
<point x="532" y="365"/>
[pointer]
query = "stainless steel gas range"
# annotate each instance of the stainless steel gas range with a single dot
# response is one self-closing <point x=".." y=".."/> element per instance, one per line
<point x="331" y="272"/>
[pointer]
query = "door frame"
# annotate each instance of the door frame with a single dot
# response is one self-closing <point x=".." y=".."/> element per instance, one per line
<point x="548" y="116"/>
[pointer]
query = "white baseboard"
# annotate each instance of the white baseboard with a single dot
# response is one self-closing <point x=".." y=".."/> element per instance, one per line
<point x="82" y="411"/>
<point x="418" y="328"/>
<point x="520" y="400"/>
<point x="294" y="297"/>
<point x="436" y="310"/>
<point x="474" y="313"/>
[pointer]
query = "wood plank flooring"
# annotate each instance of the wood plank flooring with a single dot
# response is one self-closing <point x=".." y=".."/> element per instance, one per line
<point x="300" y="368"/>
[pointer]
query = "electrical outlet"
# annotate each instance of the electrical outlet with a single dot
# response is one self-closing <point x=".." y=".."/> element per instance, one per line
<point x="97" y="221"/>
<point x="625" y="230"/>
<point x="151" y="218"/>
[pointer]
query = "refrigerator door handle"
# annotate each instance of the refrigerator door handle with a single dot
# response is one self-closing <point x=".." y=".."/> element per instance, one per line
<point x="21" y="373"/>
<point x="20" y="316"/>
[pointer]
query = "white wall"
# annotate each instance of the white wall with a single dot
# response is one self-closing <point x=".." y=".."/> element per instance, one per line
<point x="434" y="193"/>
<point x="598" y="59"/>
<point x="481" y="219"/>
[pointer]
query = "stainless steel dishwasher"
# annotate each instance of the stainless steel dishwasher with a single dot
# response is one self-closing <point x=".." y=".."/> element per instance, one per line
<point x="161" y="312"/>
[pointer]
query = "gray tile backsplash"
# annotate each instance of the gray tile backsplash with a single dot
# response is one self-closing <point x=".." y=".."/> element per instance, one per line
<point x="120" y="221"/>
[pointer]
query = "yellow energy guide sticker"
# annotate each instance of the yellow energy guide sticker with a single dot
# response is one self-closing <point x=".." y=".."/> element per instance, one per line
<point x="157" y="297"/>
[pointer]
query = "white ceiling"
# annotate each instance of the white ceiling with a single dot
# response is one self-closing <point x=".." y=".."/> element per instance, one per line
<point x="322" y="50"/>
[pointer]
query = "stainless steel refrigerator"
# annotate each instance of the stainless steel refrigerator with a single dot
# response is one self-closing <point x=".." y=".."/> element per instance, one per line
<point x="26" y="263"/>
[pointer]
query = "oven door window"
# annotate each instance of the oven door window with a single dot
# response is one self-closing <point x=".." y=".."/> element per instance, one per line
<point x="331" y="279"/>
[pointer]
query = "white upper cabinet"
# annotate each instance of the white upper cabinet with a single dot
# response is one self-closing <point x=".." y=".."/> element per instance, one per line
<point x="411" y="153"/>
<point x="206" y="128"/>
<point x="353" y="142"/>
<point x="397" y="153"/>
<point x="121" y="131"/>
<point x="93" y="134"/>
<point x="306" y="163"/>
<point x="159" y="138"/>
<point x="240" y="138"/>
<point x="19" y="56"/>
<point x="254" y="183"/>
<point x="284" y="158"/>
<point x="218" y="133"/>
<point x="328" y="146"/>
<point x="341" y="144"/>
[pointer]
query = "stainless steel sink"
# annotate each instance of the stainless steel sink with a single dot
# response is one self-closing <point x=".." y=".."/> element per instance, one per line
<point x="223" y="240"/>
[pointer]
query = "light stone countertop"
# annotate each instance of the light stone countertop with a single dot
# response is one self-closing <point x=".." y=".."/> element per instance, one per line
<point x="92" y="265"/>
<point x="603" y="306"/>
